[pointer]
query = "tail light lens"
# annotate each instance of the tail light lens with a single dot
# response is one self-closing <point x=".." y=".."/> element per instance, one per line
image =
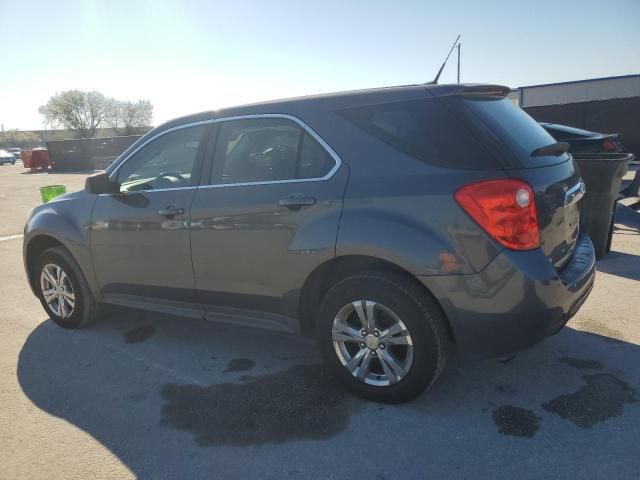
<point x="505" y="209"/>
<point x="609" y="144"/>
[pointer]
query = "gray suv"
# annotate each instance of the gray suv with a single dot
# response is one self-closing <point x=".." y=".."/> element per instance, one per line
<point x="397" y="224"/>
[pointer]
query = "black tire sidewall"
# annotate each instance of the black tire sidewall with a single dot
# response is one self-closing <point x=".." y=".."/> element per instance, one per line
<point x="82" y="308"/>
<point x="396" y="294"/>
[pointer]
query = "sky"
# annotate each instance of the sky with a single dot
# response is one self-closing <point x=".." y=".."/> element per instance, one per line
<point x="187" y="56"/>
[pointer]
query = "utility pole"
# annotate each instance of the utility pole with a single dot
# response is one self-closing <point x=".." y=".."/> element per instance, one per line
<point x="459" y="62"/>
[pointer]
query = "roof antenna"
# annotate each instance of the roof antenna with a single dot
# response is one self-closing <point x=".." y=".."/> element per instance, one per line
<point x="435" y="80"/>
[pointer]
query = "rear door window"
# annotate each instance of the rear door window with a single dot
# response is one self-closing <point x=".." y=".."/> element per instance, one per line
<point x="424" y="129"/>
<point x="267" y="150"/>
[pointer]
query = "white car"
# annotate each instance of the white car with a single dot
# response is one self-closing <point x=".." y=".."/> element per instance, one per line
<point x="6" y="157"/>
<point x="16" y="152"/>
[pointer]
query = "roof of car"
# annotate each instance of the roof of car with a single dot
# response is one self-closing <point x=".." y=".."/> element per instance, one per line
<point x="334" y="100"/>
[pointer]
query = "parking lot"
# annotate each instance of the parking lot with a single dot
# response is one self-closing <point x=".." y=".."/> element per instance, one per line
<point x="151" y="396"/>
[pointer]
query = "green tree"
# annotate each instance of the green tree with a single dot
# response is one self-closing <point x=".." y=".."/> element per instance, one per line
<point x="16" y="138"/>
<point x="78" y="111"/>
<point x="129" y="118"/>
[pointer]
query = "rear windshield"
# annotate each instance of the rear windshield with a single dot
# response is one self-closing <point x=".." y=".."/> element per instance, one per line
<point x="508" y="131"/>
<point x="424" y="129"/>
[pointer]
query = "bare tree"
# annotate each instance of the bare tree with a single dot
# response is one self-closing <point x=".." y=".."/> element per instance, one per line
<point x="79" y="111"/>
<point x="128" y="118"/>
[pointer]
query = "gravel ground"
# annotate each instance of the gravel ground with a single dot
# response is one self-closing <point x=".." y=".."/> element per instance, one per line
<point x="151" y="396"/>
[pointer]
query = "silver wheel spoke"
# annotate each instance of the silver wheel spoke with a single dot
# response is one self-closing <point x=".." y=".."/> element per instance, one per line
<point x="63" y="278"/>
<point x="355" y="361"/>
<point x="391" y="331"/>
<point x="387" y="371"/>
<point x="69" y="295"/>
<point x="364" y="366"/>
<point x="63" y="306"/>
<point x="371" y="316"/>
<point x="401" y="340"/>
<point x="69" y="301"/>
<point x="58" y="273"/>
<point x="49" y="277"/>
<point x="361" y="315"/>
<point x="49" y="294"/>
<point x="387" y="359"/>
<point x="365" y="311"/>
<point x="344" y="333"/>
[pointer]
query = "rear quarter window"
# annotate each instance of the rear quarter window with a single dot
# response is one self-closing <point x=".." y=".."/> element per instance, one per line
<point x="506" y="130"/>
<point x="424" y="129"/>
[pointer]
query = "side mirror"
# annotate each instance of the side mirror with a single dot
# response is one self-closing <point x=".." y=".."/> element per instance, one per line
<point x="101" y="183"/>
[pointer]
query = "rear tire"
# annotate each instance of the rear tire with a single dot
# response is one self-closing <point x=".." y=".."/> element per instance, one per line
<point x="62" y="289"/>
<point x="415" y="355"/>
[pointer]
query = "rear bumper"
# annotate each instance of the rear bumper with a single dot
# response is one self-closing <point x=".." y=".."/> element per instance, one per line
<point x="516" y="301"/>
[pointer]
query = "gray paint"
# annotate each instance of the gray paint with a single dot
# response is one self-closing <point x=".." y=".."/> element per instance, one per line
<point x="132" y="245"/>
<point x="243" y="242"/>
<point x="238" y="255"/>
<point x="66" y="220"/>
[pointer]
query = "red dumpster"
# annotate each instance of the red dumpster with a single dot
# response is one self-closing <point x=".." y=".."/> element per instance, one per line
<point x="39" y="158"/>
<point x="26" y="158"/>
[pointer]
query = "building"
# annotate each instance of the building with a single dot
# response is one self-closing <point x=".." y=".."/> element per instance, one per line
<point x="609" y="105"/>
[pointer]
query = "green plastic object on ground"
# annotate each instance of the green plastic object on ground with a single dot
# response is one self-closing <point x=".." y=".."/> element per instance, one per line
<point x="52" y="191"/>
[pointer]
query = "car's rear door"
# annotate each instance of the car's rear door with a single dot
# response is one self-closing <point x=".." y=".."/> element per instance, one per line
<point x="266" y="215"/>
<point x="139" y="236"/>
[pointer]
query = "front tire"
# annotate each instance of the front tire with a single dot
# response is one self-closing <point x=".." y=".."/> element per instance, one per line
<point x="62" y="289"/>
<point x="382" y="336"/>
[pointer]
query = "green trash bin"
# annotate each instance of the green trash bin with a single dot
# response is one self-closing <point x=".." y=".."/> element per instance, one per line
<point x="51" y="191"/>
<point x="602" y="174"/>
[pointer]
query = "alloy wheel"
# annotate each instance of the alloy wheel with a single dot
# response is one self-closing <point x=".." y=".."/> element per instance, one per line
<point x="372" y="343"/>
<point x="57" y="290"/>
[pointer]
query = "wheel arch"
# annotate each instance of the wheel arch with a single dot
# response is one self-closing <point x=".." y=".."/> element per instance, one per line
<point x="327" y="274"/>
<point x="33" y="248"/>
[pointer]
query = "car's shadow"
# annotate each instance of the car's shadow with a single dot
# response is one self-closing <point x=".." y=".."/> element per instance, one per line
<point x="180" y="398"/>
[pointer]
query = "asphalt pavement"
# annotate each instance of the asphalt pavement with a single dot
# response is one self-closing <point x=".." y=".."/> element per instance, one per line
<point x="144" y="395"/>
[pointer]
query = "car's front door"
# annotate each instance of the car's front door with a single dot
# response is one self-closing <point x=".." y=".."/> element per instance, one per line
<point x="268" y="216"/>
<point x="140" y="236"/>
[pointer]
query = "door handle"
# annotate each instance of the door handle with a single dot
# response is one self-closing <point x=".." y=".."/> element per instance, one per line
<point x="297" y="201"/>
<point x="171" y="211"/>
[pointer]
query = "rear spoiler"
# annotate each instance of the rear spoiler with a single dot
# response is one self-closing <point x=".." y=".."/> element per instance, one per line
<point x="479" y="91"/>
<point x="555" y="149"/>
<point x="492" y="91"/>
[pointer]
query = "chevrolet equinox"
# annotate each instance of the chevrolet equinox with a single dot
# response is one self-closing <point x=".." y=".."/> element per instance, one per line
<point x="397" y="224"/>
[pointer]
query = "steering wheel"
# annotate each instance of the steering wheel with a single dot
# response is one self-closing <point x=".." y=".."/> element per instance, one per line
<point x="277" y="154"/>
<point x="165" y="176"/>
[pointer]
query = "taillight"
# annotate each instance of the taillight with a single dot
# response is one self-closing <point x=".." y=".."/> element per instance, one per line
<point x="609" y="144"/>
<point x="505" y="209"/>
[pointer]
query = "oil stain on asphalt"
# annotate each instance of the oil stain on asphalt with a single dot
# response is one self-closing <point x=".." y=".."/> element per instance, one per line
<point x="302" y="402"/>
<point x="240" y="365"/>
<point x="516" y="421"/>
<point x="139" y="334"/>
<point x="603" y="397"/>
<point x="581" y="364"/>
